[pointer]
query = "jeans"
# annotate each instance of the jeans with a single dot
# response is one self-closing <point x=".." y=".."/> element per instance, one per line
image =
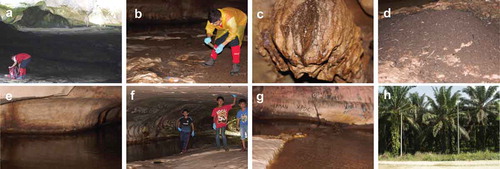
<point x="222" y="131"/>
<point x="243" y="132"/>
<point x="184" y="140"/>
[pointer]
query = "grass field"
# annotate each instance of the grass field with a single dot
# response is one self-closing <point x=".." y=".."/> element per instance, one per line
<point x="481" y="155"/>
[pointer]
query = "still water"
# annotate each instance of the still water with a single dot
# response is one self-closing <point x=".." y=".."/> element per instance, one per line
<point x="324" y="146"/>
<point x="94" y="149"/>
<point x="168" y="147"/>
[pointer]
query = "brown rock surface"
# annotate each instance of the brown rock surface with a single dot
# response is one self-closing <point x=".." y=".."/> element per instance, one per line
<point x="167" y="9"/>
<point x="175" y="10"/>
<point x="317" y="38"/>
<point x="140" y="70"/>
<point x="351" y="105"/>
<point x="367" y="6"/>
<point x="58" y="109"/>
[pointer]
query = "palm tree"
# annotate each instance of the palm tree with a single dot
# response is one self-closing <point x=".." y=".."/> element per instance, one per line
<point x="481" y="104"/>
<point x="419" y="130"/>
<point x="391" y="110"/>
<point x="440" y="122"/>
<point x="442" y="116"/>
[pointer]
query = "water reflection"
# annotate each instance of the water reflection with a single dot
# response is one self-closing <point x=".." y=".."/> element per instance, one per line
<point x="337" y="146"/>
<point x="100" y="148"/>
<point x="168" y="147"/>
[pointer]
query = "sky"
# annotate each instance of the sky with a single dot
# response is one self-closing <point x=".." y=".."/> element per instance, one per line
<point x="427" y="90"/>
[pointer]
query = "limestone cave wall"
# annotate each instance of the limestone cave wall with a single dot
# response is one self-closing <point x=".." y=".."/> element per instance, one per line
<point x="164" y="11"/>
<point x="58" y="109"/>
<point x="340" y="104"/>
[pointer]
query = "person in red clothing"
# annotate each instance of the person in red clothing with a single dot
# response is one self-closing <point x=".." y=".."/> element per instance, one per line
<point x="21" y="60"/>
<point x="230" y="24"/>
<point x="220" y="115"/>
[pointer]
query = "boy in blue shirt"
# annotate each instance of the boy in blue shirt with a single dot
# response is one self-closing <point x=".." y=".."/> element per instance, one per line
<point x="185" y="125"/>
<point x="242" y="122"/>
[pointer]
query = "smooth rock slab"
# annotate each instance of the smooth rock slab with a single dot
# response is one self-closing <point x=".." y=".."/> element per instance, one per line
<point x="264" y="150"/>
<point x="197" y="159"/>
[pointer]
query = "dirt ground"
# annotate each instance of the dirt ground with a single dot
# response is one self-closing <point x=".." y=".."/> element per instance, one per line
<point x="264" y="70"/>
<point x="164" y="54"/>
<point x="438" y="164"/>
<point x="397" y="4"/>
<point x="438" y="46"/>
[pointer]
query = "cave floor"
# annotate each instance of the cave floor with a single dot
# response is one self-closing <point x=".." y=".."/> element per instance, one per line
<point x="182" y="52"/>
<point x="200" y="158"/>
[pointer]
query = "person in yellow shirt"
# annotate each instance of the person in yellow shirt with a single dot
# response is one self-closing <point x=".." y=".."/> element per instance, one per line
<point x="230" y="24"/>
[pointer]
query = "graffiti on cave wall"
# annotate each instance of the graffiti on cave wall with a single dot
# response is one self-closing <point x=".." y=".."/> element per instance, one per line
<point x="317" y="101"/>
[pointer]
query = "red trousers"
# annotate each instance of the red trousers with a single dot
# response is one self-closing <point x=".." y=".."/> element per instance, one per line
<point x="235" y="52"/>
<point x="22" y="72"/>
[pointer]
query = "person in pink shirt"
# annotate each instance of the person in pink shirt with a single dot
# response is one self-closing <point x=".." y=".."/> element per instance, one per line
<point x="220" y="117"/>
